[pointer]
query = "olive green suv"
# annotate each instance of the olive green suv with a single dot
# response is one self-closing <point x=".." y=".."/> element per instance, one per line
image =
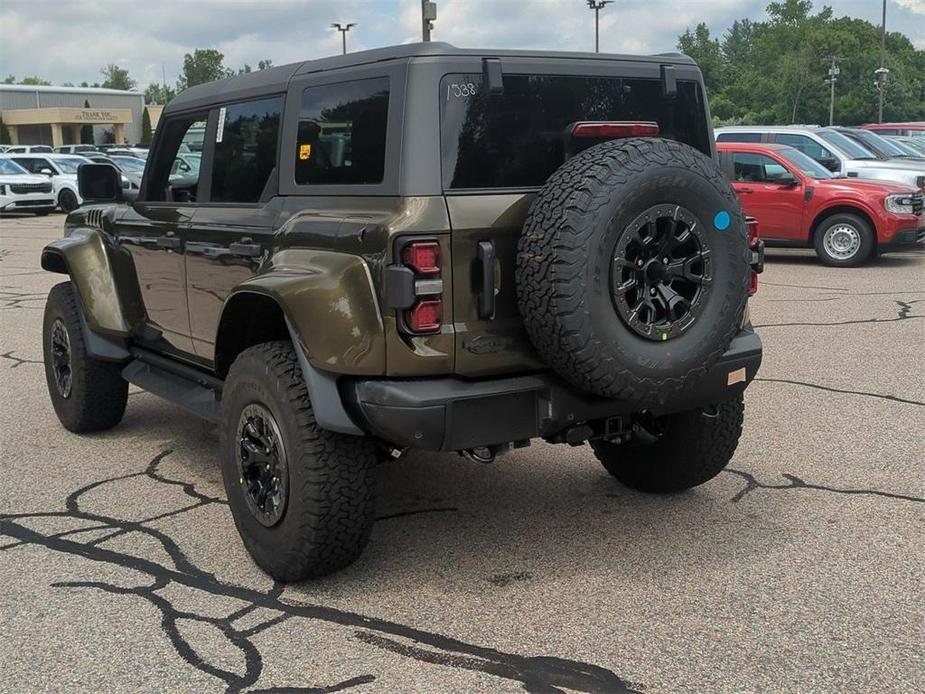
<point x="419" y="247"/>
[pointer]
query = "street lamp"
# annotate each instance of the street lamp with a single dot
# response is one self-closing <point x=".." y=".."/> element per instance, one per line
<point x="834" y="72"/>
<point x="343" y="29"/>
<point x="597" y="6"/>
<point x="882" y="72"/>
<point x="880" y="75"/>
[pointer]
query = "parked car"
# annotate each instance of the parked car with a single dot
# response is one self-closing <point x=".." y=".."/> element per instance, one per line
<point x="349" y="281"/>
<point x="132" y="169"/>
<point x="839" y="154"/>
<point x="913" y="129"/>
<point x="20" y="191"/>
<point x="76" y="149"/>
<point x="881" y="146"/>
<point x="61" y="169"/>
<point x="187" y="164"/>
<point x="798" y="203"/>
<point x="128" y="152"/>
<point x="914" y="144"/>
<point x="30" y="149"/>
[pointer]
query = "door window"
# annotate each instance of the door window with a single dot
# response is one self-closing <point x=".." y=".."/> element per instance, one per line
<point x="738" y="137"/>
<point x="805" y="144"/>
<point x="245" y="150"/>
<point x="164" y="182"/>
<point x="756" y="168"/>
<point x="342" y="133"/>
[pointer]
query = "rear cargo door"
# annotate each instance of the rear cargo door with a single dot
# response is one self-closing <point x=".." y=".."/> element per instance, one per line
<point x="497" y="150"/>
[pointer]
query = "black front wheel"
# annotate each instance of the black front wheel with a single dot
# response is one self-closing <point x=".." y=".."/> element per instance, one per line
<point x="678" y="451"/>
<point x="88" y="394"/>
<point x="67" y="200"/>
<point x="302" y="497"/>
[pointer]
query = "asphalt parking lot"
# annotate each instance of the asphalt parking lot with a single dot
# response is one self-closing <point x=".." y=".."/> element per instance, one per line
<point x="799" y="569"/>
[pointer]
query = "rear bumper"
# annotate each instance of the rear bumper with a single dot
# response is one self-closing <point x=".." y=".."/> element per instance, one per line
<point x="449" y="414"/>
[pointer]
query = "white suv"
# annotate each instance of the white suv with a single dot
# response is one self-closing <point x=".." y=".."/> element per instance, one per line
<point x="839" y="154"/>
<point x="22" y="192"/>
<point x="61" y="169"/>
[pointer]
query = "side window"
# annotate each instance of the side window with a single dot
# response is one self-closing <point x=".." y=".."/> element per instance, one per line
<point x="245" y="150"/>
<point x="738" y="137"/>
<point x="342" y="133"/>
<point x="755" y="168"/>
<point x="32" y="164"/>
<point x="165" y="183"/>
<point x="805" y="144"/>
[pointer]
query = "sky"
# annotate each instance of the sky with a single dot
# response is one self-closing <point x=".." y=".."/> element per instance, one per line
<point x="69" y="41"/>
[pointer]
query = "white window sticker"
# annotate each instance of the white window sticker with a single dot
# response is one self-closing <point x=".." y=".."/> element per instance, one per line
<point x="221" y="125"/>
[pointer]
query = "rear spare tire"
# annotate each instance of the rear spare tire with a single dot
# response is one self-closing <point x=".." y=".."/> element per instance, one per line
<point x="632" y="269"/>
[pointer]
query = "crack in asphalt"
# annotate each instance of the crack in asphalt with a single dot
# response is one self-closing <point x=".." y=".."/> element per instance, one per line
<point x="846" y="322"/>
<point x="18" y="361"/>
<point x="882" y="396"/>
<point x="794" y="482"/>
<point x="535" y="673"/>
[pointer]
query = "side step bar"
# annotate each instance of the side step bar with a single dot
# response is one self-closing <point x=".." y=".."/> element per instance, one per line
<point x="195" y="391"/>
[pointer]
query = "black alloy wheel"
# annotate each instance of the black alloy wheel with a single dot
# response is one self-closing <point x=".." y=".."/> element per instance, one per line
<point x="262" y="464"/>
<point x="61" y="358"/>
<point x="661" y="272"/>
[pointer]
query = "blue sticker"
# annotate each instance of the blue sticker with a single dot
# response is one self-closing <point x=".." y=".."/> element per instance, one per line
<point x="722" y="220"/>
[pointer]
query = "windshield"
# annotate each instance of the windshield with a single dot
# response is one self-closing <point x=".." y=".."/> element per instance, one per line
<point x="69" y="165"/>
<point x="11" y="168"/>
<point x="880" y="144"/>
<point x="848" y="147"/>
<point x="517" y="138"/>
<point x="129" y="163"/>
<point x="809" y="166"/>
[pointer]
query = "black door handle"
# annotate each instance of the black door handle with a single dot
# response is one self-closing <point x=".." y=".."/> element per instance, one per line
<point x="487" y="290"/>
<point x="169" y="242"/>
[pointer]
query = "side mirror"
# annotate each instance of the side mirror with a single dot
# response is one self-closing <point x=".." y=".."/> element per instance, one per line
<point x="788" y="180"/>
<point x="99" y="183"/>
<point x="46" y="172"/>
<point x="831" y="164"/>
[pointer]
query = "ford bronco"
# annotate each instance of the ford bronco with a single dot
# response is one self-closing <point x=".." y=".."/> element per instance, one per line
<point x="419" y="247"/>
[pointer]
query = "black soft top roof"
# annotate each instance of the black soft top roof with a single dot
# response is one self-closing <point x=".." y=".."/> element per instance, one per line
<point x="276" y="79"/>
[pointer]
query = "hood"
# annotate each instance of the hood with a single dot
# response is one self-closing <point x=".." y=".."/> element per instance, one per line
<point x="13" y="179"/>
<point x="863" y="185"/>
<point x="907" y="165"/>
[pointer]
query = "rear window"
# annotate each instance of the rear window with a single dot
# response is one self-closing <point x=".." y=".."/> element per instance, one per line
<point x="738" y="137"/>
<point x="517" y="139"/>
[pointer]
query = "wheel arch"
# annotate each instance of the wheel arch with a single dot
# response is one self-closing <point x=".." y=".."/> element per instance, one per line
<point x="841" y="209"/>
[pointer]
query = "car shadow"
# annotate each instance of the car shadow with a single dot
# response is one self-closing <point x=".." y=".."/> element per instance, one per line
<point x="807" y="257"/>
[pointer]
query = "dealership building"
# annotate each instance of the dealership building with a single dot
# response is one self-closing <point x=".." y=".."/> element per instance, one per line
<point x="39" y="115"/>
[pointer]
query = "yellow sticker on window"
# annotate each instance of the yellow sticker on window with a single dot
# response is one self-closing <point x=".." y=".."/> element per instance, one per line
<point x="305" y="151"/>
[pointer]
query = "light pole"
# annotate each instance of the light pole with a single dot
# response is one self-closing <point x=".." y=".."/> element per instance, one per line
<point x="882" y="72"/>
<point x="833" y="78"/>
<point x="428" y="15"/>
<point x="597" y="6"/>
<point x="343" y="29"/>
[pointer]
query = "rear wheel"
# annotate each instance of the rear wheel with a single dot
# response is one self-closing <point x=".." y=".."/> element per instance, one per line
<point x="88" y="394"/>
<point x="844" y="240"/>
<point x="302" y="497"/>
<point x="677" y="451"/>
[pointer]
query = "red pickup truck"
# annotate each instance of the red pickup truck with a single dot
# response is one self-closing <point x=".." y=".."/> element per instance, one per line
<point x="798" y="203"/>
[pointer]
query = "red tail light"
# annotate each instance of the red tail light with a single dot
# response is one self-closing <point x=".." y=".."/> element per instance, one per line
<point x="425" y="316"/>
<point x="422" y="256"/>
<point x="615" y="129"/>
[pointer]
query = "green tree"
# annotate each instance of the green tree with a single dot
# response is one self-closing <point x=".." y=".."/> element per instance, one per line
<point x="708" y="54"/>
<point x="31" y="79"/>
<point x="159" y="94"/>
<point x="146" y="133"/>
<point x="116" y="77"/>
<point x="86" y="131"/>
<point x="4" y="134"/>
<point x="200" y="66"/>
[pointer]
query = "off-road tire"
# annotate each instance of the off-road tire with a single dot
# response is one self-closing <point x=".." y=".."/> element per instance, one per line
<point x="330" y="505"/>
<point x="564" y="263"/>
<point x="693" y="447"/>
<point x="868" y="240"/>
<point x="98" y="393"/>
<point x="67" y="200"/>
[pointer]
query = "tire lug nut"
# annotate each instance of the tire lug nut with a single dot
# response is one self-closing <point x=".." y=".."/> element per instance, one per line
<point x="652" y="291"/>
<point x="665" y="260"/>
